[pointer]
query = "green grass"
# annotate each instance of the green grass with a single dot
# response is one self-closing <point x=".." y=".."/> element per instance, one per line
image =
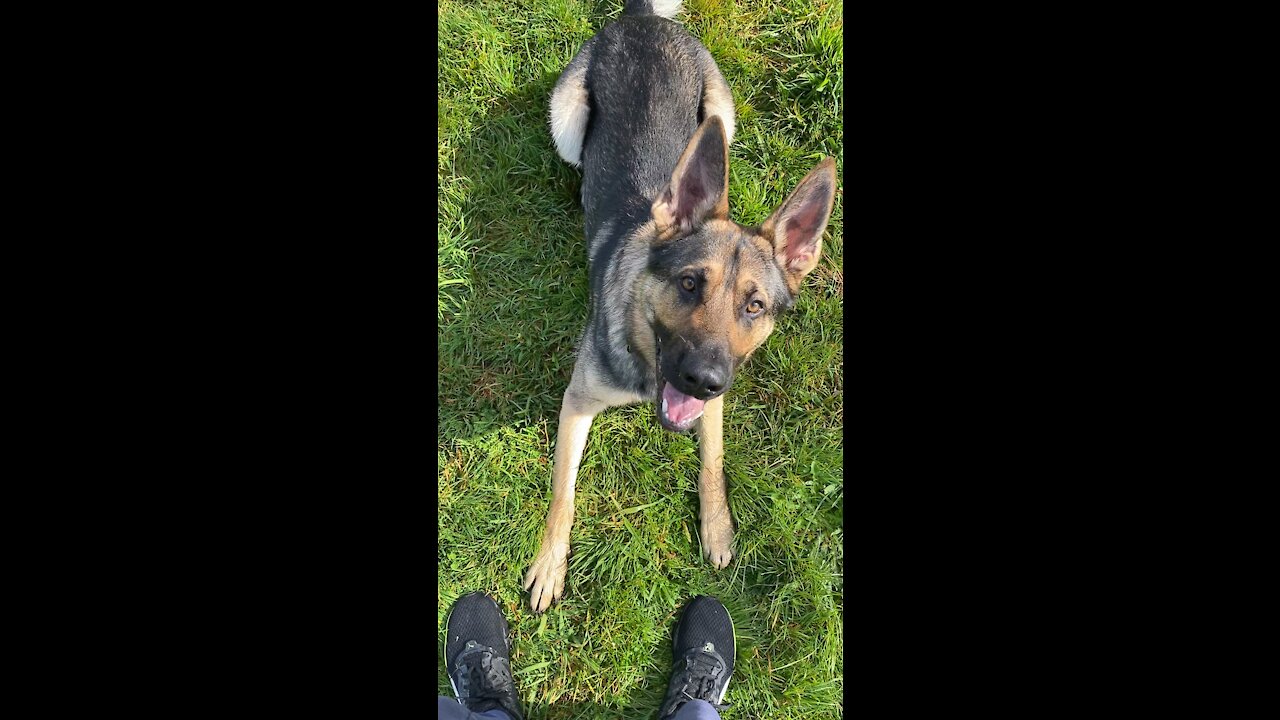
<point x="512" y="301"/>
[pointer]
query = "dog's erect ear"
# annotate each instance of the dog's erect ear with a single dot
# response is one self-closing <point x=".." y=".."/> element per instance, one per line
<point x="699" y="187"/>
<point x="796" y="226"/>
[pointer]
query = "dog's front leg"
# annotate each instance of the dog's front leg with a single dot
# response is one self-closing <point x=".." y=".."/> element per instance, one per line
<point x="713" y="503"/>
<point x="545" y="579"/>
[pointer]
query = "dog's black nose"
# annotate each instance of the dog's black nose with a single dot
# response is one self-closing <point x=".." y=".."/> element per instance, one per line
<point x="705" y="381"/>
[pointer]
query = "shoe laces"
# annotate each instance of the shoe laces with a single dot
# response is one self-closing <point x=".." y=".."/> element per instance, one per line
<point x="481" y="675"/>
<point x="701" y="678"/>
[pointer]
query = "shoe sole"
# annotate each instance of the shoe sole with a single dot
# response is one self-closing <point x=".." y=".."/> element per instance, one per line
<point x="733" y="629"/>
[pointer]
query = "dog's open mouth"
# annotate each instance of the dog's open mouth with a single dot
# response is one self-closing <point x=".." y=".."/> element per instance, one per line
<point x="678" y="411"/>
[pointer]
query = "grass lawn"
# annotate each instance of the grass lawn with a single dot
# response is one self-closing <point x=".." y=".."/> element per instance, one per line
<point x="512" y="301"/>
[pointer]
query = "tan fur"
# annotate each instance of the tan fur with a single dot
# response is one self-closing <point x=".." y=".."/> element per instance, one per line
<point x="571" y="108"/>
<point x="545" y="579"/>
<point x="717" y="98"/>
<point x="716" y="525"/>
<point x="791" y="238"/>
<point x="716" y="320"/>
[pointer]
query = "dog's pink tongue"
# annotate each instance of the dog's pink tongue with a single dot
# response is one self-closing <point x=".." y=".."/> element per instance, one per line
<point x="680" y="407"/>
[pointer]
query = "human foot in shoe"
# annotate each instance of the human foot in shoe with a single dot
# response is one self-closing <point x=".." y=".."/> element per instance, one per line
<point x="703" y="648"/>
<point x="477" y="655"/>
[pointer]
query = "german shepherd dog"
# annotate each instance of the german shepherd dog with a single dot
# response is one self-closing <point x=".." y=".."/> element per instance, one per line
<point x="680" y="294"/>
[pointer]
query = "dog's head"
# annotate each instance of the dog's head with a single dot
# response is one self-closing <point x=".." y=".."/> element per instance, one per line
<point x="714" y="288"/>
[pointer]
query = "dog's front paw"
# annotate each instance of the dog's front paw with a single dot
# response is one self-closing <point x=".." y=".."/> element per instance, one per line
<point x="717" y="538"/>
<point x="545" y="579"/>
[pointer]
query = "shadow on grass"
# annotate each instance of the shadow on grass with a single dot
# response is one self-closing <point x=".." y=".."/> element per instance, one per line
<point x="595" y="711"/>
<point x="644" y="692"/>
<point x="505" y="355"/>
<point x="505" y="359"/>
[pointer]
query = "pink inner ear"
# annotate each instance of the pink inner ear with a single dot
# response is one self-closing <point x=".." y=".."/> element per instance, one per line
<point x="691" y="192"/>
<point x="802" y="231"/>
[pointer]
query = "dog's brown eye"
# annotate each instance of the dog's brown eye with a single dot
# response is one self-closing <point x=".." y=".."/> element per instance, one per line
<point x="755" y="307"/>
<point x="687" y="283"/>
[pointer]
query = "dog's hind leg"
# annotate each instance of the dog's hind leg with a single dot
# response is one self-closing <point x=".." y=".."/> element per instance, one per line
<point x="570" y="109"/>
<point x="713" y="503"/>
<point x="716" y="97"/>
<point x="545" y="579"/>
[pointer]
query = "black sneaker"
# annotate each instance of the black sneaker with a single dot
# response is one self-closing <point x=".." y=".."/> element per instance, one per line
<point x="477" y="656"/>
<point x="703" y="647"/>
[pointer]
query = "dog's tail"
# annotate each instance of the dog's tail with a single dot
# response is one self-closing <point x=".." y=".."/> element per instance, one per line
<point x="664" y="8"/>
